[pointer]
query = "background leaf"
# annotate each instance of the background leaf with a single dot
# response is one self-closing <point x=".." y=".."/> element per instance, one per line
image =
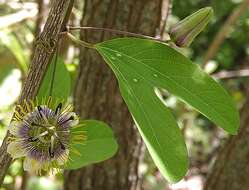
<point x="99" y="146"/>
<point x="9" y="40"/>
<point x="5" y="71"/>
<point x="140" y="66"/>
<point x="62" y="81"/>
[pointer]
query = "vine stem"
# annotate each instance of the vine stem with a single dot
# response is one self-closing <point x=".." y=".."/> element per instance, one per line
<point x="55" y="23"/>
<point x="80" y="42"/>
<point x="54" y="69"/>
<point x="73" y="28"/>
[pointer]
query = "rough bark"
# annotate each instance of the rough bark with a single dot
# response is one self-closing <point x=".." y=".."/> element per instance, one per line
<point x="231" y="167"/>
<point x="46" y="43"/>
<point x="97" y="95"/>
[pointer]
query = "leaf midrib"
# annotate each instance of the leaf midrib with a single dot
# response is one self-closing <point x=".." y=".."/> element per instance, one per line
<point x="141" y="108"/>
<point x="171" y="79"/>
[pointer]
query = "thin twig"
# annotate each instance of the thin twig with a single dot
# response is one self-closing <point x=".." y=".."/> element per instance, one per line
<point x="232" y="74"/>
<point x="224" y="31"/>
<point x="54" y="70"/>
<point x="80" y="42"/>
<point x="8" y="20"/>
<point x="166" y="11"/>
<point x="24" y="180"/>
<point x="72" y="28"/>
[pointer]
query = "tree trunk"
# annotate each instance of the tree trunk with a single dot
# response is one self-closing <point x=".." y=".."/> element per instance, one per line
<point x="43" y="53"/>
<point x="97" y="95"/>
<point x="231" y="167"/>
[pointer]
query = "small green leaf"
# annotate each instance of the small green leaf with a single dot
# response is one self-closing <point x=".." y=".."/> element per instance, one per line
<point x="99" y="146"/>
<point x="143" y="65"/>
<point x="61" y="87"/>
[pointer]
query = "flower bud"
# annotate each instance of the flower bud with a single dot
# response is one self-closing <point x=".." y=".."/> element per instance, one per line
<point x="184" y="32"/>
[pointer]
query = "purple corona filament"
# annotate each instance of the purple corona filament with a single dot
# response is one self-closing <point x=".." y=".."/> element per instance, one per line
<point x="42" y="136"/>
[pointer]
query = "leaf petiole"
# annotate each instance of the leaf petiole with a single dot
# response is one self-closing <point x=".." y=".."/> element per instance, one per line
<point x="79" y="42"/>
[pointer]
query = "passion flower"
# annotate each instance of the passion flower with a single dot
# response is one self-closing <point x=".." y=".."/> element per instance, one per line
<point x="41" y="134"/>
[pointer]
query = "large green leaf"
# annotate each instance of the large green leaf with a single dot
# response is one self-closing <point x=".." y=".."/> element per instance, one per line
<point x="61" y="86"/>
<point x="9" y="40"/>
<point x="143" y="65"/>
<point x="99" y="146"/>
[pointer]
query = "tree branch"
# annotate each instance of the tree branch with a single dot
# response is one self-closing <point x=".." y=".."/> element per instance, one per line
<point x="56" y="21"/>
<point x="231" y="74"/>
<point x="224" y="31"/>
<point x="11" y="19"/>
<point x="166" y="11"/>
<point x="115" y="31"/>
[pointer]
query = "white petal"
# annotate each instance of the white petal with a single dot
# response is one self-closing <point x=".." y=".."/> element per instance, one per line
<point x="63" y="158"/>
<point x="32" y="165"/>
<point x="27" y="164"/>
<point x="75" y="121"/>
<point x="67" y="115"/>
<point x="14" y="127"/>
<point x="16" y="150"/>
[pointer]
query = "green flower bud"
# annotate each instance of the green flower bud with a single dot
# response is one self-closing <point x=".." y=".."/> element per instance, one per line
<point x="184" y="32"/>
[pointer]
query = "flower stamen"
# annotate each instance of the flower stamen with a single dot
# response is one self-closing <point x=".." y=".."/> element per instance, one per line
<point x="42" y="114"/>
<point x="43" y="134"/>
<point x="69" y="119"/>
<point x="33" y="139"/>
<point x="58" y="108"/>
<point x="51" y="148"/>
